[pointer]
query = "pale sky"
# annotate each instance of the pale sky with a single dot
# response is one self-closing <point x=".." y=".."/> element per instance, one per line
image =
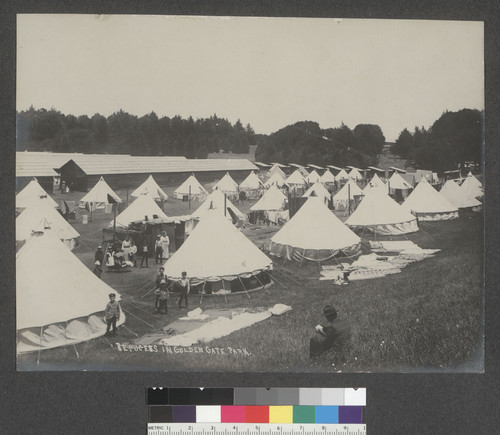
<point x="269" y="72"/>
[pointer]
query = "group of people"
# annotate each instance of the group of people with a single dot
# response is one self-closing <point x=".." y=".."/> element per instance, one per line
<point x="181" y="286"/>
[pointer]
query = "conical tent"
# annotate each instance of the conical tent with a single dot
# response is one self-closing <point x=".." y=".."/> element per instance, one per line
<point x="275" y="180"/>
<point x="150" y="186"/>
<point x="32" y="193"/>
<point x="295" y="180"/>
<point x="59" y="301"/>
<point x="428" y="204"/>
<point x="319" y="191"/>
<point x="227" y="185"/>
<point x="100" y="195"/>
<point x="313" y="177"/>
<point x="348" y="191"/>
<point x="327" y="178"/>
<point x="275" y="169"/>
<point x="314" y="233"/>
<point x="453" y="193"/>
<point x="216" y="250"/>
<point x="380" y="214"/>
<point x="342" y="175"/>
<point x="144" y="208"/>
<point x="191" y="187"/>
<point x="472" y="187"/>
<point x="216" y="201"/>
<point x="398" y="182"/>
<point x="272" y="200"/>
<point x="252" y="182"/>
<point x="252" y="186"/>
<point x="29" y="221"/>
<point x="355" y="175"/>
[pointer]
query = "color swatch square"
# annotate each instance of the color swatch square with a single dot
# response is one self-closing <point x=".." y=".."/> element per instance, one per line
<point x="355" y="397"/>
<point x="332" y="396"/>
<point x="267" y="396"/>
<point x="281" y="414"/>
<point x="351" y="414"/>
<point x="245" y="396"/>
<point x="160" y="414"/>
<point x="256" y="414"/>
<point x="184" y="414"/>
<point x="327" y="414"/>
<point x="288" y="396"/>
<point x="208" y="414"/>
<point x="310" y="396"/>
<point x="304" y="414"/>
<point x="232" y="414"/>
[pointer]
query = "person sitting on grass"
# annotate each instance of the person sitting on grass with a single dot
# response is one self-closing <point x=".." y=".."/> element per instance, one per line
<point x="332" y="334"/>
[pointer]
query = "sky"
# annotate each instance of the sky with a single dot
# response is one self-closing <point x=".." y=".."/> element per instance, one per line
<point x="269" y="72"/>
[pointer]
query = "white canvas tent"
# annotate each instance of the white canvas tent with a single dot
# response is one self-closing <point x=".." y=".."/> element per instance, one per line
<point x="151" y="187"/>
<point x="273" y="200"/>
<point x="319" y="191"/>
<point x="275" y="169"/>
<point x="453" y="193"/>
<point x="227" y="185"/>
<point x="428" y="204"/>
<point x="396" y="181"/>
<point x="41" y="213"/>
<point x="348" y="191"/>
<point x="355" y="175"/>
<point x="252" y="186"/>
<point x="313" y="177"/>
<point x="295" y="180"/>
<point x="191" y="187"/>
<point x="342" y="175"/>
<point x="314" y="233"/>
<point x="59" y="301"/>
<point x="144" y="208"/>
<point x="100" y="195"/>
<point x="472" y="187"/>
<point x="216" y="201"/>
<point x="275" y="180"/>
<point x="375" y="183"/>
<point x="32" y="193"/>
<point x="380" y="214"/>
<point x="217" y="250"/>
<point x="327" y="178"/>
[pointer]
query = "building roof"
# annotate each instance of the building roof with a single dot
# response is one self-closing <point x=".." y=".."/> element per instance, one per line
<point x="33" y="164"/>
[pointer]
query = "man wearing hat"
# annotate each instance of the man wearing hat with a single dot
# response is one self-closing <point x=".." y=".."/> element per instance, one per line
<point x="98" y="259"/>
<point x="158" y="250"/>
<point x="112" y="314"/>
<point x="161" y="276"/>
<point x="328" y="335"/>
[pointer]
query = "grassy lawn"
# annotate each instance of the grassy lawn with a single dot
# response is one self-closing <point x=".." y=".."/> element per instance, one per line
<point x="426" y="318"/>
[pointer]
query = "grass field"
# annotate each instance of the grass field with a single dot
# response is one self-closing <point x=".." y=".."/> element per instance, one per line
<point x="427" y="318"/>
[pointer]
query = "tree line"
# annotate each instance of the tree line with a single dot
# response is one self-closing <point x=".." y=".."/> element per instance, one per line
<point x="123" y="133"/>
<point x="305" y="142"/>
<point x="454" y="139"/>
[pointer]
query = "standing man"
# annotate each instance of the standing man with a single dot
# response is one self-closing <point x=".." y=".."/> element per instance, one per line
<point x="145" y="253"/>
<point x="158" y="250"/>
<point x="161" y="276"/>
<point x="112" y="315"/>
<point x="165" y="245"/>
<point x="132" y="253"/>
<point x="99" y="259"/>
<point x="163" y="297"/>
<point x="185" y="288"/>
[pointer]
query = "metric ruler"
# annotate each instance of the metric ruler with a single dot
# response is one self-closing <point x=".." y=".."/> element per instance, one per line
<point x="254" y="429"/>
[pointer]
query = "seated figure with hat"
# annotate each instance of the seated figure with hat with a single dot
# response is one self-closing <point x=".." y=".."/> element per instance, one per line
<point x="331" y="334"/>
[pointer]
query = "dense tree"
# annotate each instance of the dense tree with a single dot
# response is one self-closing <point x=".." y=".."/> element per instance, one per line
<point x="455" y="138"/>
<point x="124" y="133"/>
<point x="305" y="142"/>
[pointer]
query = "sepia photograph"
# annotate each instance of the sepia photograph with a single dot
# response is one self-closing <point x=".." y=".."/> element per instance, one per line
<point x="249" y="194"/>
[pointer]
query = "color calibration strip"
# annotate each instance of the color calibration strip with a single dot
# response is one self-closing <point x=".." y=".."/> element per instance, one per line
<point x="257" y="405"/>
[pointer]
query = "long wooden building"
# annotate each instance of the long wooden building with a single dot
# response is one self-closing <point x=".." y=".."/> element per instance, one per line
<point x="81" y="171"/>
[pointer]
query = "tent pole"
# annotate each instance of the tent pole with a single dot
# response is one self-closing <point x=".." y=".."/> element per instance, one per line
<point x="39" y="347"/>
<point x="263" y="285"/>
<point x="189" y="198"/>
<point x="349" y="198"/>
<point x="223" y="288"/>
<point x="90" y="206"/>
<point x="115" y="206"/>
<point x="302" y="259"/>
<point x="202" y="291"/>
<point x="246" y="291"/>
<point x="127" y="196"/>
